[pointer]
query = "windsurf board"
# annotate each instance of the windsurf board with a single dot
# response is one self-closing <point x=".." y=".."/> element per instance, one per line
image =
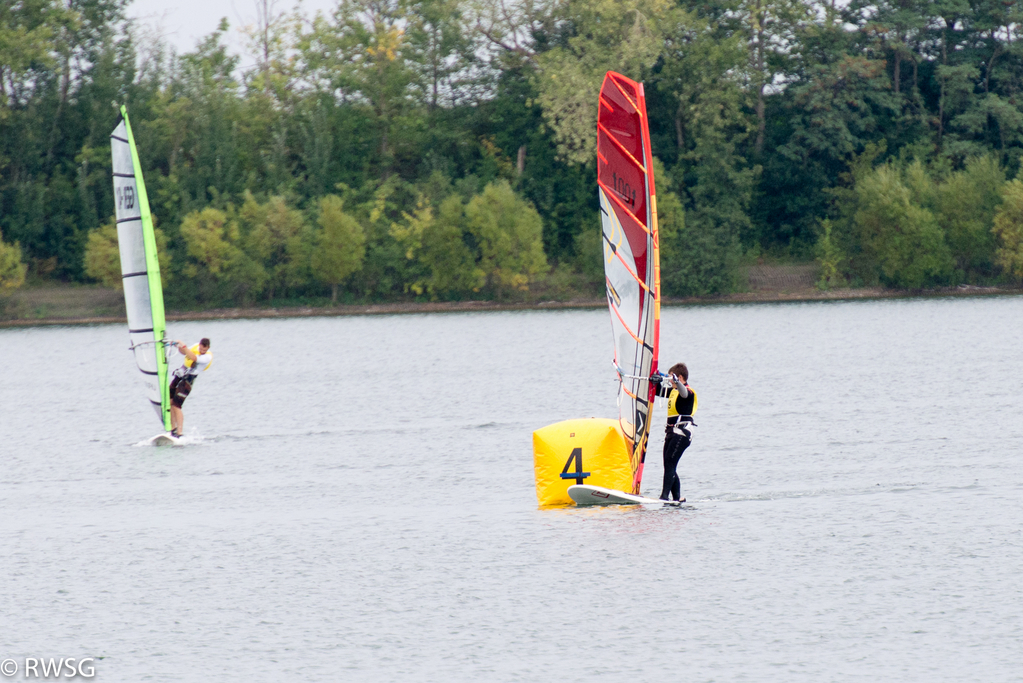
<point x="165" y="439"/>
<point x="584" y="494"/>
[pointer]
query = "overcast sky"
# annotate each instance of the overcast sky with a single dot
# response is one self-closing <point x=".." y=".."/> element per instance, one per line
<point x="182" y="23"/>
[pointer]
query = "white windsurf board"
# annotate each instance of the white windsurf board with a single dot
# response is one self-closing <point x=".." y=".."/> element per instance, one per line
<point x="584" y="494"/>
<point x="165" y="439"/>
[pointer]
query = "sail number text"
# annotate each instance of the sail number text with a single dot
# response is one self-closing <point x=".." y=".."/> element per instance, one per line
<point x="622" y="187"/>
<point x="126" y="197"/>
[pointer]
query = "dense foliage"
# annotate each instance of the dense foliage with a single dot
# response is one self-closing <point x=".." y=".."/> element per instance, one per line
<point x="444" y="148"/>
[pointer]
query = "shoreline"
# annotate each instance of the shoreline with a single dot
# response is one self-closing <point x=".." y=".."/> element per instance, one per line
<point x="398" y="308"/>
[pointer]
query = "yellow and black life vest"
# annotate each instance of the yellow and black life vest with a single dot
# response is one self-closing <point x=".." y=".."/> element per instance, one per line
<point x="195" y="349"/>
<point x="688" y="406"/>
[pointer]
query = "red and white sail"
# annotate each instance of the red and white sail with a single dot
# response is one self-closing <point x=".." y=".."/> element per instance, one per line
<point x="628" y="206"/>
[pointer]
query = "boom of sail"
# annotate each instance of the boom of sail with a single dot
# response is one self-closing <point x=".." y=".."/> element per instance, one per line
<point x="140" y="268"/>
<point x="628" y="207"/>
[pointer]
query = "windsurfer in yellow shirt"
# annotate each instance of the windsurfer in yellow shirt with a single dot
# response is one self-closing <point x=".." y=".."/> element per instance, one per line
<point x="197" y="359"/>
<point x="678" y="431"/>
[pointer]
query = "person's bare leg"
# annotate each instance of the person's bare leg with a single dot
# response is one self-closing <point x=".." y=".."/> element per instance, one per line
<point x="177" y="419"/>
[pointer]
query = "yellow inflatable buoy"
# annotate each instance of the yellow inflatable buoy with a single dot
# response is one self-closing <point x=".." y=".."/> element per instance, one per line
<point x="583" y="451"/>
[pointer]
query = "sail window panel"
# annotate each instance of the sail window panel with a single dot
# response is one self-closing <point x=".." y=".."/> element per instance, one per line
<point x="120" y="156"/>
<point x="136" y="301"/>
<point x="120" y="150"/>
<point x="132" y="249"/>
<point x="145" y="351"/>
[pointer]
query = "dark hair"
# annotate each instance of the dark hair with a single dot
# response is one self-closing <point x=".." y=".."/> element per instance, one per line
<point x="205" y="342"/>
<point x="681" y="370"/>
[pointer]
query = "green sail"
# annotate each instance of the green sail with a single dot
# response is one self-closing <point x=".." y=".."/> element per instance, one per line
<point x="140" y="268"/>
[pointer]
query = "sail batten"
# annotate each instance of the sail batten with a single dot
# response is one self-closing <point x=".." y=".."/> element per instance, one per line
<point x="625" y="187"/>
<point x="140" y="268"/>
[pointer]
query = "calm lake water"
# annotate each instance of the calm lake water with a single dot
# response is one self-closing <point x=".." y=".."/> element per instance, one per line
<point x="357" y="501"/>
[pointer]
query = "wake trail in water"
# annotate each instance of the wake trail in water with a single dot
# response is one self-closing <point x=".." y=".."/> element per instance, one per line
<point x="728" y="497"/>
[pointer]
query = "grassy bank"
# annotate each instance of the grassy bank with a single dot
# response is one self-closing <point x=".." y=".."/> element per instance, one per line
<point x="64" y="304"/>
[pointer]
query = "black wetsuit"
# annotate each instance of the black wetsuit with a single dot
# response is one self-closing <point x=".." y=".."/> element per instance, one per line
<point x="677" y="437"/>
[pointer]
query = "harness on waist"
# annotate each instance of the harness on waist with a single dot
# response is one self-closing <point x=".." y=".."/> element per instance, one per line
<point x="681" y="425"/>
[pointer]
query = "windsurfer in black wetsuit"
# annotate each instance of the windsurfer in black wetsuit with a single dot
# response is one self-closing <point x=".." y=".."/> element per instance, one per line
<point x="678" y="432"/>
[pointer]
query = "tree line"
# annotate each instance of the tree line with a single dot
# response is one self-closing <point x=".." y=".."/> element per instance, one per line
<point x="444" y="149"/>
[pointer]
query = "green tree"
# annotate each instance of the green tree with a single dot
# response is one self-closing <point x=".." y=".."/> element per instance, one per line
<point x="340" y="245"/>
<point x="216" y="263"/>
<point x="965" y="207"/>
<point x="270" y="41"/>
<point x="26" y="29"/>
<point x="274" y="238"/>
<point x="439" y="50"/>
<point x="362" y="52"/>
<point x="208" y="241"/>
<point x="201" y="126"/>
<point x="840" y="104"/>
<point x="838" y="111"/>
<point x="984" y="122"/>
<point x="896" y="31"/>
<point x="438" y="242"/>
<point x="694" y="261"/>
<point x="589" y="256"/>
<point x="12" y="270"/>
<point x="103" y="257"/>
<point x="1008" y="229"/>
<point x="624" y="36"/>
<point x="771" y="28"/>
<point x="902" y="237"/>
<point x="703" y="76"/>
<point x="829" y="257"/>
<point x="509" y="233"/>
<point x="386" y="271"/>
